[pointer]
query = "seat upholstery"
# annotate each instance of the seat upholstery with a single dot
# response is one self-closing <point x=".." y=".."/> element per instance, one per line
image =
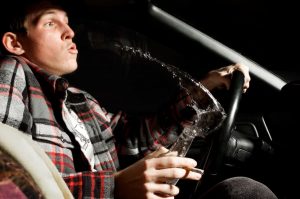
<point x="25" y="159"/>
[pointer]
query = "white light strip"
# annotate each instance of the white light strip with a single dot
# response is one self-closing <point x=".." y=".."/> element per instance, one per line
<point x="216" y="46"/>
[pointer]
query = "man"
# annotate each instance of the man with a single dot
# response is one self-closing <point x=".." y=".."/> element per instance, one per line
<point x="78" y="135"/>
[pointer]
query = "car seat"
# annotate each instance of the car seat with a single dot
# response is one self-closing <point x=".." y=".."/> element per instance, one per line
<point x="25" y="169"/>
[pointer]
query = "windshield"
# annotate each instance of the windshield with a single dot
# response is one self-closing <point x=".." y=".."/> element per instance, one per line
<point x="264" y="31"/>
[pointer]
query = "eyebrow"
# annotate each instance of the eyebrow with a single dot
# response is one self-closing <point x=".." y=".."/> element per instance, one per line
<point x="43" y="13"/>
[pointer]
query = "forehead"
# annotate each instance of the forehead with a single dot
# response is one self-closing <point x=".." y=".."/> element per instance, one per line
<point x="36" y="12"/>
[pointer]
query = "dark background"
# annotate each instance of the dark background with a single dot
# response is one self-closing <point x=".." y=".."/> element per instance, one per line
<point x="262" y="30"/>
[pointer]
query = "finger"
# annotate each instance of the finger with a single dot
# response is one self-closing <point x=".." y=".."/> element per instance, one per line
<point x="159" y="152"/>
<point x="178" y="173"/>
<point x="162" y="189"/>
<point x="158" y="196"/>
<point x="244" y="69"/>
<point x="247" y="79"/>
<point x="169" y="153"/>
<point x="173" y="162"/>
<point x="245" y="87"/>
<point x="241" y="67"/>
<point x="232" y="68"/>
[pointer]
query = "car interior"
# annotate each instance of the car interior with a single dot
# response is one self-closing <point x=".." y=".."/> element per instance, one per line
<point x="260" y="138"/>
<point x="123" y="45"/>
<point x="25" y="169"/>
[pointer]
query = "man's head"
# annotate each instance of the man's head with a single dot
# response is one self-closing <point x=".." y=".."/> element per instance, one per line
<point x="39" y="31"/>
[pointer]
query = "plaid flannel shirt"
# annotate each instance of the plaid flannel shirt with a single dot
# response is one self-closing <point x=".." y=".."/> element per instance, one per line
<point x="31" y="101"/>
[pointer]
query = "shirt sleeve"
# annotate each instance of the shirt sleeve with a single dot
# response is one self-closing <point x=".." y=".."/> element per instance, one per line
<point x="13" y="110"/>
<point x="91" y="184"/>
<point x="137" y="136"/>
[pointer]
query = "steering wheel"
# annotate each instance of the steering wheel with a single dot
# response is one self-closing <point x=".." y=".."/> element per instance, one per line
<point x="218" y="143"/>
<point x="218" y="148"/>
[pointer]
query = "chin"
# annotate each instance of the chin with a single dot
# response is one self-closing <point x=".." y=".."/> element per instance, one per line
<point x="71" y="70"/>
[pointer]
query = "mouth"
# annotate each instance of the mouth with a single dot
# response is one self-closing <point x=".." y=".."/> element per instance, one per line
<point x="73" y="49"/>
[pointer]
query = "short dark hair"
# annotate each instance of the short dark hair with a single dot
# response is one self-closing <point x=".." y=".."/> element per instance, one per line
<point x="14" y="22"/>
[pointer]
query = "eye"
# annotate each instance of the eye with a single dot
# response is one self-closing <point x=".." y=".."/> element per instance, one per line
<point x="49" y="24"/>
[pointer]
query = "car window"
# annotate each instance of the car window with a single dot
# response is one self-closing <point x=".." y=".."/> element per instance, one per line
<point x="264" y="31"/>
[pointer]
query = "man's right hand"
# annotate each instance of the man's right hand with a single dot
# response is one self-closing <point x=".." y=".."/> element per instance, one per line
<point x="146" y="178"/>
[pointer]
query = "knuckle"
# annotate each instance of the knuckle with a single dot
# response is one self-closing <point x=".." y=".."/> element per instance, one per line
<point x="172" y="161"/>
<point x="147" y="175"/>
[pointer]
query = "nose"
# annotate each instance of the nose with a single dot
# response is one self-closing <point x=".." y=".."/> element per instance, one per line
<point x="68" y="32"/>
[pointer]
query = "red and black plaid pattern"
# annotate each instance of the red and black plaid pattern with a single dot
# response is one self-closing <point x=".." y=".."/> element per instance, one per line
<point x="31" y="101"/>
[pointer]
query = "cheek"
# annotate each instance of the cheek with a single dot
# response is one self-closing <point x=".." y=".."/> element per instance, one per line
<point x="48" y="48"/>
<point x="45" y="40"/>
<point x="35" y="45"/>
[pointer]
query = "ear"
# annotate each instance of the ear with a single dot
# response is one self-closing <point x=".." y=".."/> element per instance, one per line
<point x="11" y="43"/>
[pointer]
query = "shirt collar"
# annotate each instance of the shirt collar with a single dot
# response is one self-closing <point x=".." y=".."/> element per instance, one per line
<point x="57" y="84"/>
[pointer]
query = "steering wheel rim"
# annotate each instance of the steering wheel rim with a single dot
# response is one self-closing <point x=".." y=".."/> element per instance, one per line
<point x="216" y="152"/>
<point x="218" y="149"/>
